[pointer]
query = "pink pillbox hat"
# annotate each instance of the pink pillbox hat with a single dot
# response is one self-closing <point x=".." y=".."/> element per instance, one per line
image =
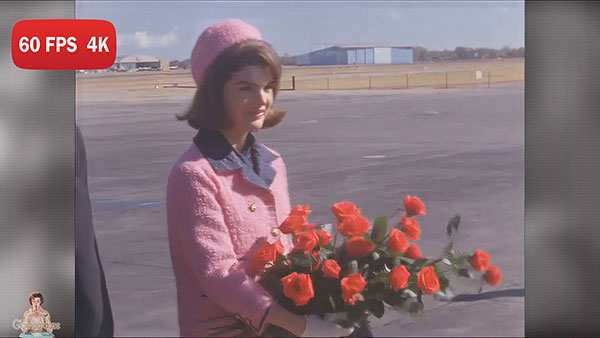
<point x="215" y="39"/>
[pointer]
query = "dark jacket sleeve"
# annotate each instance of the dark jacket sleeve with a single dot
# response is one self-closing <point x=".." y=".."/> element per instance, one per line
<point x="93" y="315"/>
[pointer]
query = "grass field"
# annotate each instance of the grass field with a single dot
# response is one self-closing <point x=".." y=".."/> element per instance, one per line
<point x="420" y="75"/>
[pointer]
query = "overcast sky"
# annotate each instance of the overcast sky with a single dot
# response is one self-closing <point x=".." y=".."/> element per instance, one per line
<point x="168" y="30"/>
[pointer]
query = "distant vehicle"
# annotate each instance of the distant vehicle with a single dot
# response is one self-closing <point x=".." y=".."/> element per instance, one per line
<point x="141" y="69"/>
<point x="173" y="67"/>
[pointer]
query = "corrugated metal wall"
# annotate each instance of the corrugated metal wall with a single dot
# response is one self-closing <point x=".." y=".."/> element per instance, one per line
<point x="402" y="55"/>
<point x="360" y="56"/>
<point x="341" y="56"/>
<point x="383" y="55"/>
<point x="328" y="56"/>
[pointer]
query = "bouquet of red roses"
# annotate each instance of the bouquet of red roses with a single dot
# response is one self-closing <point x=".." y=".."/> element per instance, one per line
<point x="372" y="269"/>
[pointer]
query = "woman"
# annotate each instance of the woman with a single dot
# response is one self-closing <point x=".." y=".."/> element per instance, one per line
<point x="228" y="192"/>
<point x="36" y="319"/>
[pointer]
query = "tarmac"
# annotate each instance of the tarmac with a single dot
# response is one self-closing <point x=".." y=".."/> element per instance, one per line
<point x="460" y="150"/>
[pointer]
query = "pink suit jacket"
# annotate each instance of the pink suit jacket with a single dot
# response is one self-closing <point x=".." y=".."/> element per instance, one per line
<point x="214" y="218"/>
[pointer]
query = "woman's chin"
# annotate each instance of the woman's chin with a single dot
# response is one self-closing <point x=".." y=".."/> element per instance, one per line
<point x="257" y="125"/>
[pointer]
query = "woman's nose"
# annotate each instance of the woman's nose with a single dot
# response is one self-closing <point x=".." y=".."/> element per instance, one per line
<point x="262" y="96"/>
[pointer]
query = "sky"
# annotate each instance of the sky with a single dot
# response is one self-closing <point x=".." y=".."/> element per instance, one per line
<point x="168" y="30"/>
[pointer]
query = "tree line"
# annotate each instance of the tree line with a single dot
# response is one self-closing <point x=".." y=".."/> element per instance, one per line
<point x="465" y="53"/>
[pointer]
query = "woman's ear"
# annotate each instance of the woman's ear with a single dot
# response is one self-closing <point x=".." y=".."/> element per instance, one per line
<point x="273" y="118"/>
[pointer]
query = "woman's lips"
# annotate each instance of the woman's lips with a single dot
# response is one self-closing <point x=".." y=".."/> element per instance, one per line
<point x="257" y="114"/>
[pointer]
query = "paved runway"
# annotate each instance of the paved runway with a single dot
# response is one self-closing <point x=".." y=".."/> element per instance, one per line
<point x="460" y="151"/>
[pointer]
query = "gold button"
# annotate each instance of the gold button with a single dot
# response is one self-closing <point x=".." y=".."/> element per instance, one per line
<point x="275" y="232"/>
<point x="253" y="207"/>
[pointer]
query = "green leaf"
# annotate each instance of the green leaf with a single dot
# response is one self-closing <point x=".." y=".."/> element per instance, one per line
<point x="444" y="282"/>
<point x="452" y="226"/>
<point x="301" y="260"/>
<point x="376" y="308"/>
<point x="379" y="229"/>
<point x="418" y="264"/>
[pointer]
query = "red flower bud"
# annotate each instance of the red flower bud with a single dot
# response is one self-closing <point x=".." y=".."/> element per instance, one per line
<point x="411" y="225"/>
<point x="427" y="280"/>
<point x="480" y="260"/>
<point x="413" y="252"/>
<point x="331" y="269"/>
<point x="399" y="277"/>
<point x="398" y="241"/>
<point x="414" y="206"/>
<point x="359" y="247"/>
<point x="298" y="287"/>
<point x="493" y="275"/>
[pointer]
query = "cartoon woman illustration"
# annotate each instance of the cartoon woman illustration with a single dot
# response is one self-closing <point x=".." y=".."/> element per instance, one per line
<point x="36" y="319"/>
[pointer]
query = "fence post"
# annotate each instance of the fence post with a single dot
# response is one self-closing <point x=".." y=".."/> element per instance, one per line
<point x="446" y="80"/>
<point x="406" y="81"/>
<point x="489" y="79"/>
<point x="369" y="82"/>
<point x="327" y="83"/>
<point x="293" y="83"/>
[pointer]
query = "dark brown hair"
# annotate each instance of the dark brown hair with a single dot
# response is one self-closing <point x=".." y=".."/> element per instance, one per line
<point x="36" y="295"/>
<point x="208" y="108"/>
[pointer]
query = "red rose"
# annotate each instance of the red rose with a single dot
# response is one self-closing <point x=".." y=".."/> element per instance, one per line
<point x="266" y="253"/>
<point x="324" y="237"/>
<point x="413" y="252"/>
<point x="352" y="285"/>
<point x="480" y="260"/>
<point x="411" y="225"/>
<point x="353" y="225"/>
<point x="298" y="287"/>
<point x="306" y="241"/>
<point x="331" y="269"/>
<point x="359" y="247"/>
<point x="414" y="206"/>
<point x="427" y="280"/>
<point x="399" y="277"/>
<point x="342" y="209"/>
<point x="300" y="210"/>
<point x="493" y="275"/>
<point x="398" y="241"/>
<point x="293" y="224"/>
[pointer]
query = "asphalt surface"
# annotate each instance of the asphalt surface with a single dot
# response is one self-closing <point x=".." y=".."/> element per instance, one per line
<point x="460" y="151"/>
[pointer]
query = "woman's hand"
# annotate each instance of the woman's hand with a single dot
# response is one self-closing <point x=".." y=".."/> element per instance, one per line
<point x="324" y="327"/>
<point x="306" y="326"/>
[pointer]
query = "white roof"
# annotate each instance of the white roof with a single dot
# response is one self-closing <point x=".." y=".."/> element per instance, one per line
<point x="138" y="58"/>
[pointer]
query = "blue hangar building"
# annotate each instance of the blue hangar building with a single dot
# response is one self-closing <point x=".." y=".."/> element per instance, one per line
<point x="362" y="55"/>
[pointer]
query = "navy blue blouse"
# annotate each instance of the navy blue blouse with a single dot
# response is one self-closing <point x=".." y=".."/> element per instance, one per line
<point x="254" y="159"/>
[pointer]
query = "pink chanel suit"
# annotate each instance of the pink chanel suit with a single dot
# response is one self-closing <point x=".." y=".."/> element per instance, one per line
<point x="215" y="217"/>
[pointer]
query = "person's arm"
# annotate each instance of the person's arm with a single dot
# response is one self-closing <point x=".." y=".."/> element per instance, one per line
<point x="47" y="322"/>
<point x="196" y="219"/>
<point x="25" y="325"/>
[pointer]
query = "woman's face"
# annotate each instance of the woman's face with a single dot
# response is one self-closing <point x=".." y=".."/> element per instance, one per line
<point x="248" y="96"/>
<point x="36" y="302"/>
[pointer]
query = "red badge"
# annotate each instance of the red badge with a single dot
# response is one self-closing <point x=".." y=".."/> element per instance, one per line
<point x="67" y="44"/>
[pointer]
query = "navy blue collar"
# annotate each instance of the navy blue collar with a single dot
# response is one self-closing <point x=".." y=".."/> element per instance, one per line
<point x="254" y="160"/>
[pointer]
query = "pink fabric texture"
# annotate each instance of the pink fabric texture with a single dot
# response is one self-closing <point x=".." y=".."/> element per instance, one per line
<point x="215" y="39"/>
<point x="212" y="233"/>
